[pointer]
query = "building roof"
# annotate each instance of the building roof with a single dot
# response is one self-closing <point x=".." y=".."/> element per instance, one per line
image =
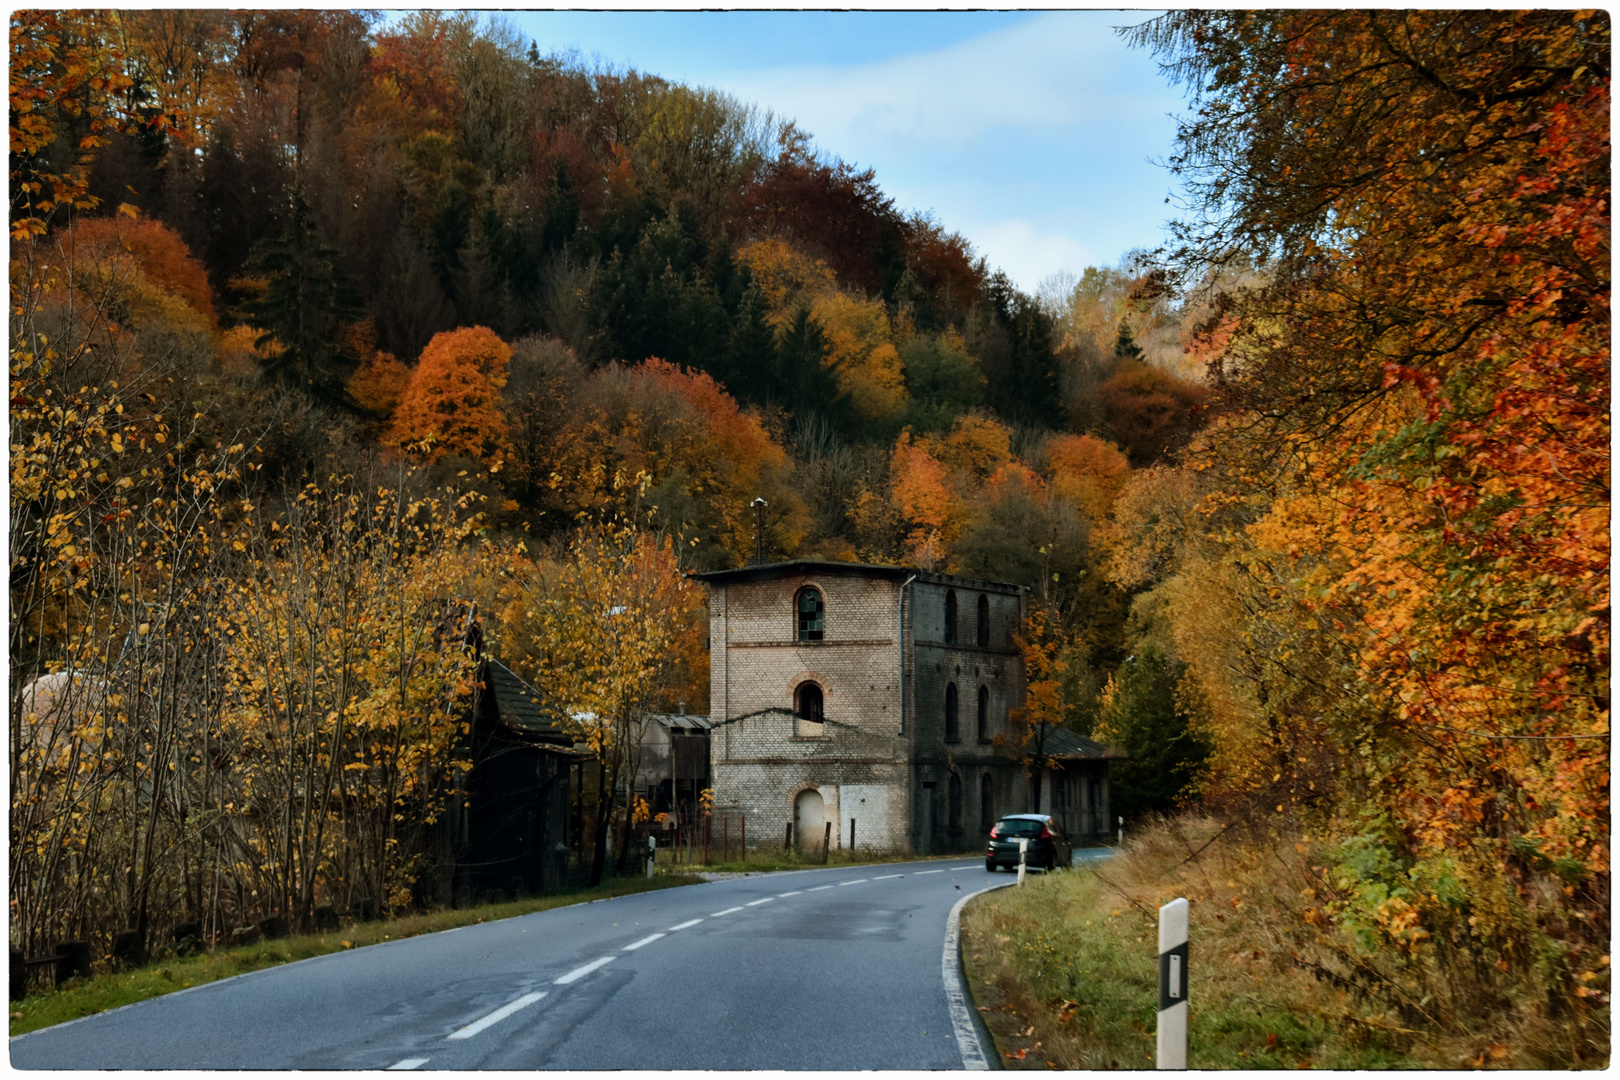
<point x="1063" y="743"/>
<point x="518" y="704"/>
<point x="687" y="720"/>
<point x="832" y="568"/>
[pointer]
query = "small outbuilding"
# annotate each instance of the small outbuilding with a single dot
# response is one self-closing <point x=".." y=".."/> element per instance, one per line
<point x="510" y="826"/>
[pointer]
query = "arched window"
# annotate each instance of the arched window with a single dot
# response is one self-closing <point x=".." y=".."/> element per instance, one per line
<point x="987" y="802"/>
<point x="950" y="618"/>
<point x="955" y="809"/>
<point x="984" y="714"/>
<point x="951" y="732"/>
<point x="984" y="621"/>
<point x="810" y="611"/>
<point x="807" y="706"/>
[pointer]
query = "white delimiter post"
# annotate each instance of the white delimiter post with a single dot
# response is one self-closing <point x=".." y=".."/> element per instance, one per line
<point x="652" y="855"/>
<point x="1023" y="850"/>
<point x="1173" y="985"/>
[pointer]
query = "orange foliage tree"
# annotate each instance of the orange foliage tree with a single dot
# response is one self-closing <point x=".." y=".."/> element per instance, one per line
<point x="452" y="403"/>
<point x="1414" y="479"/>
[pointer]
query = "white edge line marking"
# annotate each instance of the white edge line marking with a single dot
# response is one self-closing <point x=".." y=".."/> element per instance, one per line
<point x="756" y="903"/>
<point x="886" y="877"/>
<point x="818" y="888"/>
<point x="728" y="911"/>
<point x="408" y="1063"/>
<point x="920" y="873"/>
<point x="967" y="1036"/>
<point x="795" y="892"/>
<point x="581" y="972"/>
<point x="857" y="881"/>
<point x="634" y="945"/>
<point x="496" y="1017"/>
<point x="270" y="971"/>
<point x="684" y="925"/>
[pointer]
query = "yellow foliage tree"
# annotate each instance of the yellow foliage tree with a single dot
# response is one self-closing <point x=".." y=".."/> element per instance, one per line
<point x="612" y="628"/>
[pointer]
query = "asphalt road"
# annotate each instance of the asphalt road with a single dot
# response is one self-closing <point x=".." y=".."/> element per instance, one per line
<point x="815" y="969"/>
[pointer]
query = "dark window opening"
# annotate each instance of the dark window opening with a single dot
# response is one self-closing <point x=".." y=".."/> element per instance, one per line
<point x="984" y="622"/>
<point x="807" y="706"/>
<point x="810" y="610"/>
<point x="951" y="732"/>
<point x="950" y="618"/>
<point x="956" y="802"/>
<point x="984" y="714"/>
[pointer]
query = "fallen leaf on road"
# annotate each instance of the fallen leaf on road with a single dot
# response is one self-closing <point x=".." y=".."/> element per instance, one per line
<point x="1017" y="1055"/>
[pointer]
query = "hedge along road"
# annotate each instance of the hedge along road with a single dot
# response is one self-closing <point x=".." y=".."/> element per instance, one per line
<point x="845" y="968"/>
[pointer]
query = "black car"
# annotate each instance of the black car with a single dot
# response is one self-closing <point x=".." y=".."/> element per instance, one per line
<point x="1048" y="847"/>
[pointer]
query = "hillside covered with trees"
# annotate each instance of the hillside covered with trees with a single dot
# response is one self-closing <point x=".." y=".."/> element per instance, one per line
<point x="333" y="338"/>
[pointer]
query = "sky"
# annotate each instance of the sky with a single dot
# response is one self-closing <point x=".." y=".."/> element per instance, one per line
<point x="1034" y="134"/>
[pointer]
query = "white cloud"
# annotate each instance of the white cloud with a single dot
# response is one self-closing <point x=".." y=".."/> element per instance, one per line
<point x="1031" y="140"/>
<point x="1028" y="252"/>
<point x="1054" y="71"/>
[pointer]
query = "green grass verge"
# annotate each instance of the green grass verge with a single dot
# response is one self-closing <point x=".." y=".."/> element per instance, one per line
<point x="85" y="997"/>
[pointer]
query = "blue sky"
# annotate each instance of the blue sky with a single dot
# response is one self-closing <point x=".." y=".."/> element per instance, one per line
<point x="1030" y="133"/>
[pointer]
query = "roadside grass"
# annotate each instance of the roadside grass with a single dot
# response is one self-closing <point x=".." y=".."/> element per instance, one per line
<point x="768" y="859"/>
<point x="85" y="997"/>
<point x="1064" y="972"/>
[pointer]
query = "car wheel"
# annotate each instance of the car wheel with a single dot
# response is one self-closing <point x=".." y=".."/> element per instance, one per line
<point x="990" y="865"/>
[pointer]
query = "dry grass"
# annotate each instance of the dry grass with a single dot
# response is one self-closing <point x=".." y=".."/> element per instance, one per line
<point x="1064" y="972"/>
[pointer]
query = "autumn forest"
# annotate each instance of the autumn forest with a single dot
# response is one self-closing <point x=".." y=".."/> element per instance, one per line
<point x="333" y="339"/>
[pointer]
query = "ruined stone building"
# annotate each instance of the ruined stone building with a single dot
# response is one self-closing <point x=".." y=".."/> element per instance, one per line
<point x="845" y="693"/>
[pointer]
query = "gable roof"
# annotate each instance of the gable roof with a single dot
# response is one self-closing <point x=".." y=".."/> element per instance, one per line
<point x="517" y="704"/>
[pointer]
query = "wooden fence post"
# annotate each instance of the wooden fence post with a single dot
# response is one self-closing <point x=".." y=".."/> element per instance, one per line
<point x="826" y="843"/>
<point x="852" y="834"/>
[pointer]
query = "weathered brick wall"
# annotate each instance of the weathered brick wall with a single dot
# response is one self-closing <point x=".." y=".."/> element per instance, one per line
<point x="999" y="670"/>
<point x="863" y="764"/>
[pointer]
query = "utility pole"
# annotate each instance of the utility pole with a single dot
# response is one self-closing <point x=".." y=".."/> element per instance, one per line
<point x="759" y="530"/>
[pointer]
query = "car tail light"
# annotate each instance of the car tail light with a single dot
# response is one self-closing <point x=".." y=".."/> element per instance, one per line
<point x="1046" y="833"/>
<point x="995" y="832"/>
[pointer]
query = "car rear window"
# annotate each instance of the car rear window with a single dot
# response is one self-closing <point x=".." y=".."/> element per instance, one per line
<point x="1018" y="827"/>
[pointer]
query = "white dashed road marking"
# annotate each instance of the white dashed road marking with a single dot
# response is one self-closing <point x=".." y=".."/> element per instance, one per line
<point x="581" y="972"/>
<point x="634" y="945"/>
<point x="728" y="911"/>
<point x="795" y="892"/>
<point x="886" y="877"/>
<point x="497" y="1016"/>
<point x="818" y="888"/>
<point x="408" y="1063"/>
<point x="920" y="873"/>
<point x="857" y="881"/>
<point x="756" y="903"/>
<point x="686" y="924"/>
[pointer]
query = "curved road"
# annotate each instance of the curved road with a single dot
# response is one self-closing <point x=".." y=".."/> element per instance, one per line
<point x="839" y="968"/>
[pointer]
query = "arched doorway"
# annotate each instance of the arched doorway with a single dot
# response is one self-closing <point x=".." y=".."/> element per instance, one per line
<point x="809" y="820"/>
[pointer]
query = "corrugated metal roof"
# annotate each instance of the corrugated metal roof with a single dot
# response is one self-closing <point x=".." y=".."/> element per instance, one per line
<point x="686" y="720"/>
<point x="1063" y="743"/>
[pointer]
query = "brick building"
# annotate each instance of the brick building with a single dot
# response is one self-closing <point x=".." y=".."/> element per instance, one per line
<point x="843" y="692"/>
